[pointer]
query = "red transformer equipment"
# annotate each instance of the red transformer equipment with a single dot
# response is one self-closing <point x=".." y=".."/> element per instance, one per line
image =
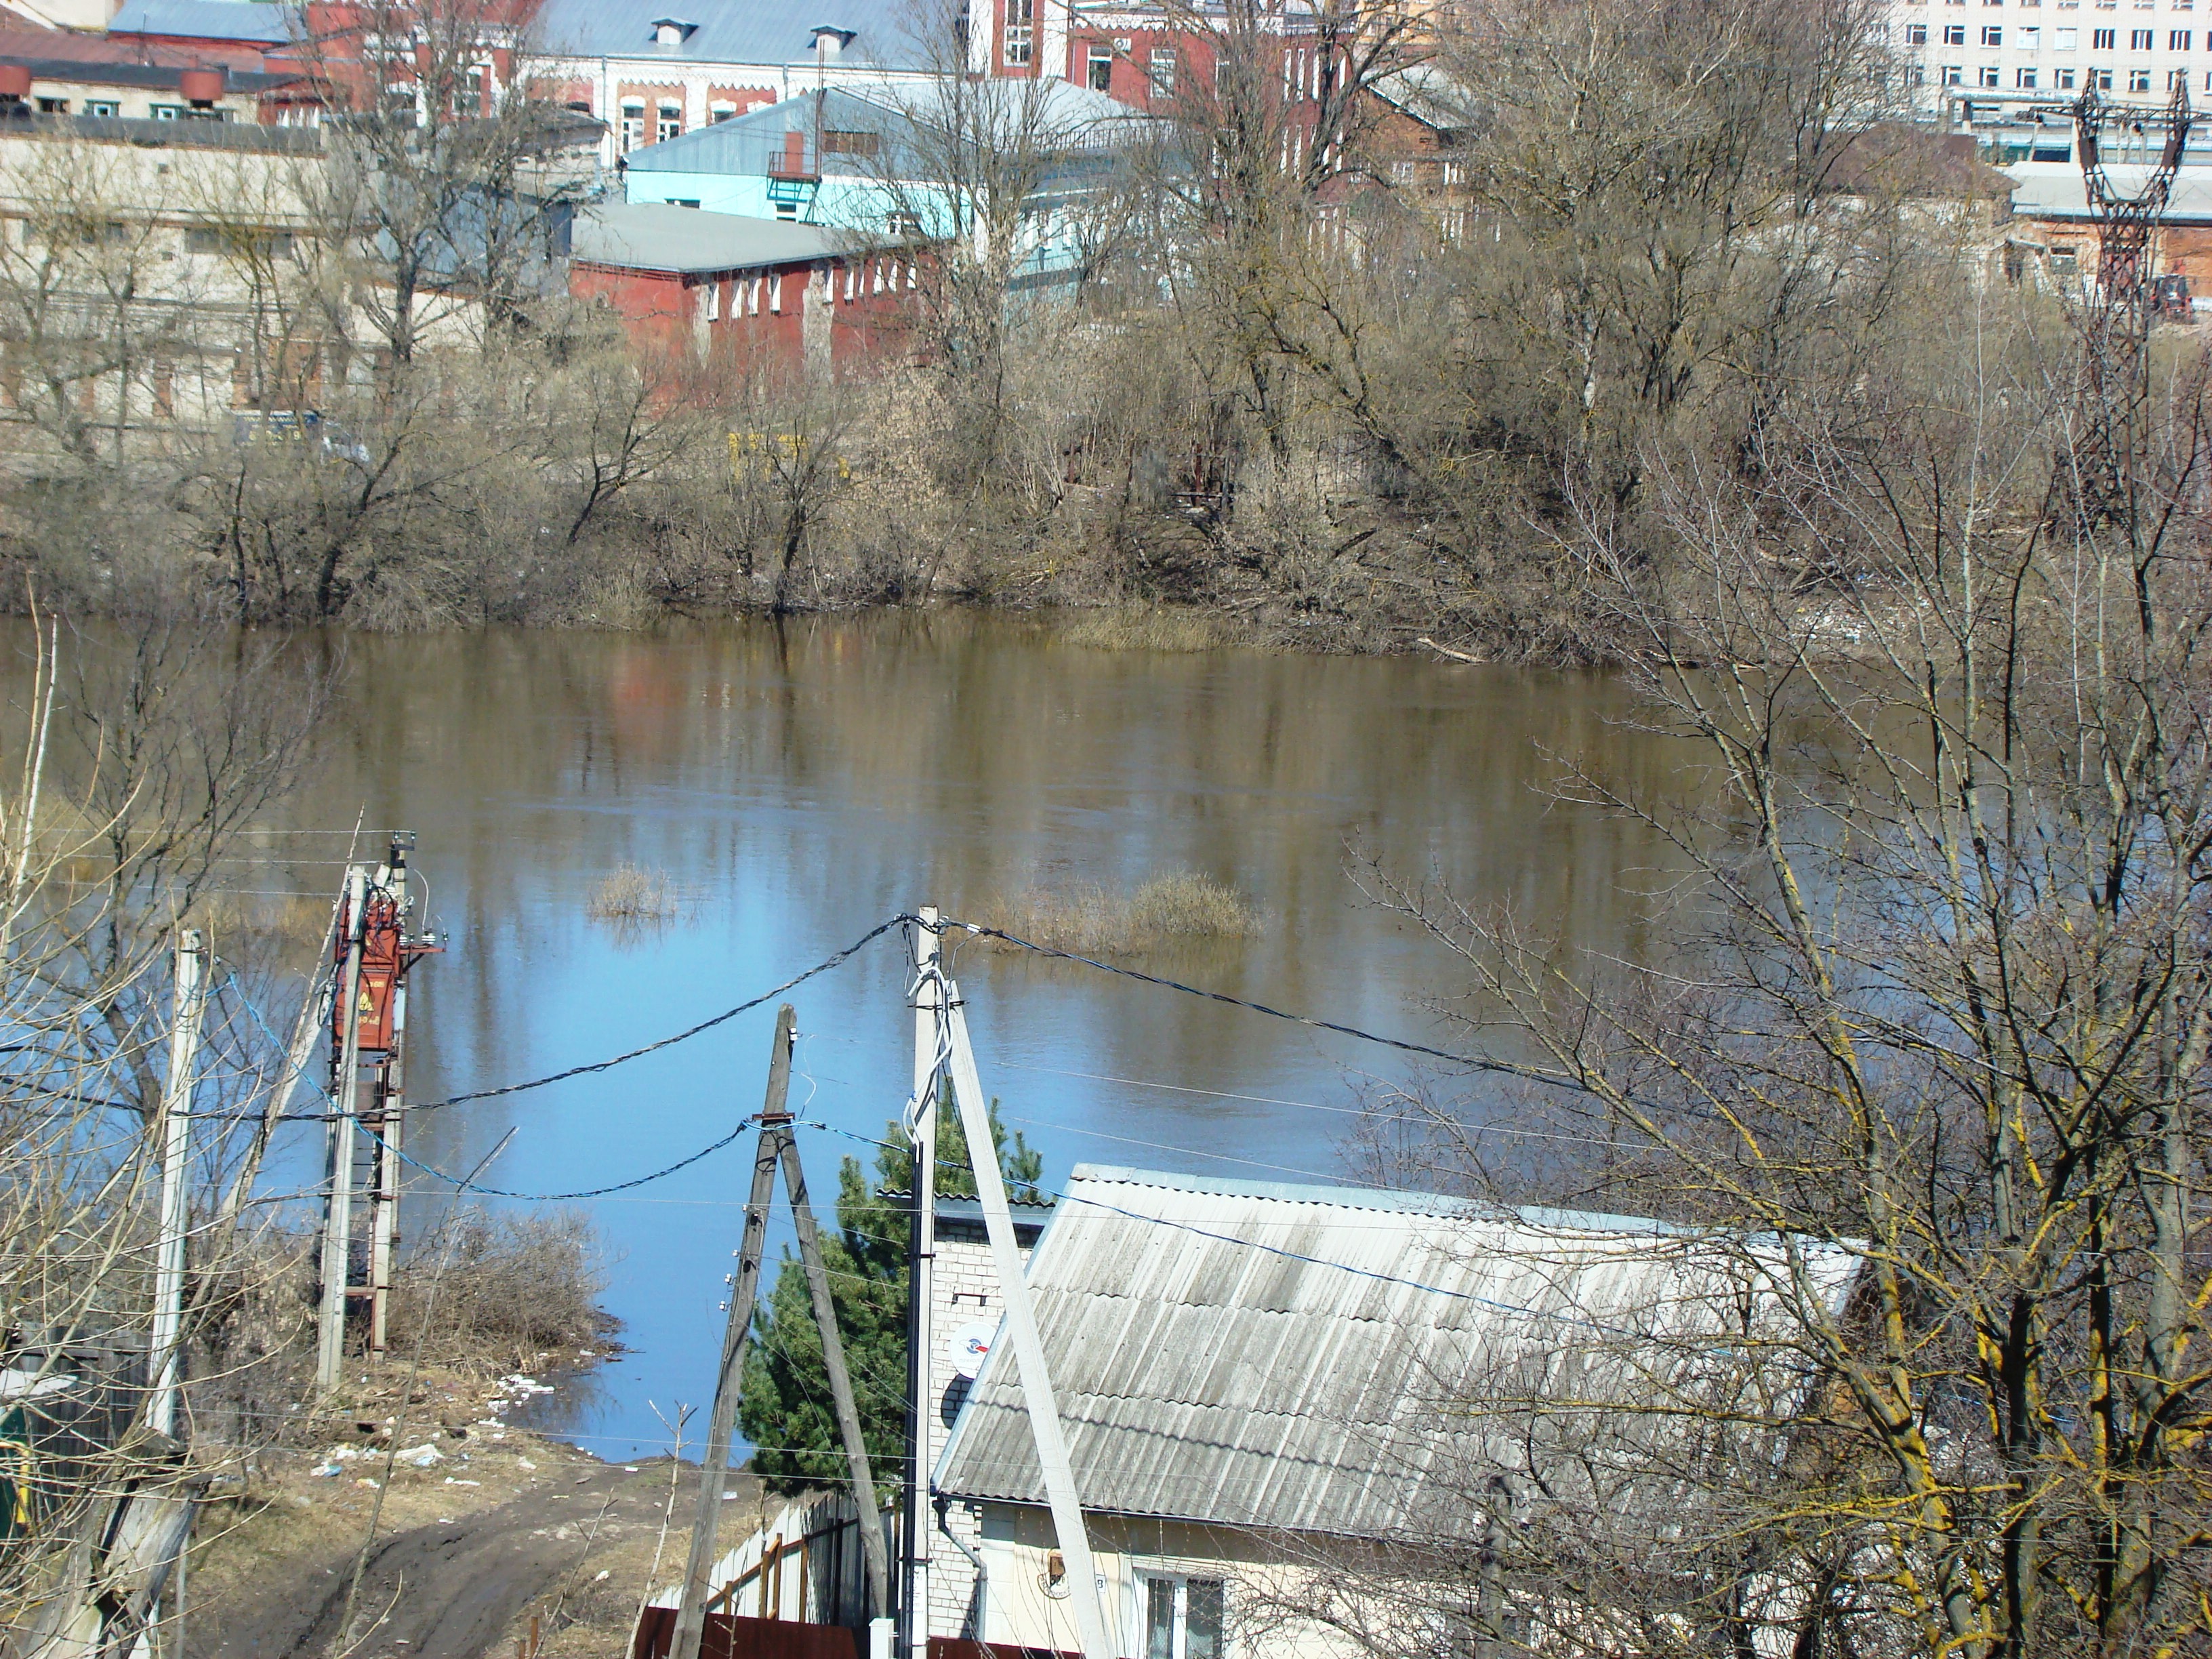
<point x="387" y="953"/>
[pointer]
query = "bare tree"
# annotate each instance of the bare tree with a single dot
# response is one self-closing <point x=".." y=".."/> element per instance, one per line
<point x="1938" y="994"/>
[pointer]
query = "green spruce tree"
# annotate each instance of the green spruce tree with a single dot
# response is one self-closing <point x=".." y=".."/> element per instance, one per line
<point x="784" y="1408"/>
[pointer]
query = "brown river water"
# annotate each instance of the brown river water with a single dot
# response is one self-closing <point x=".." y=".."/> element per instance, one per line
<point x="801" y="782"/>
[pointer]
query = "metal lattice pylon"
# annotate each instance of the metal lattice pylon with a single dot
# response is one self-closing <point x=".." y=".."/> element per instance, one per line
<point x="2112" y="429"/>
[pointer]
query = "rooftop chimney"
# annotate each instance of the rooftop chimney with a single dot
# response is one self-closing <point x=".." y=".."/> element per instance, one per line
<point x="201" y="87"/>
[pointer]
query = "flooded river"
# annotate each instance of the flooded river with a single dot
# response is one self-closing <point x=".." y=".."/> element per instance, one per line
<point x="799" y="783"/>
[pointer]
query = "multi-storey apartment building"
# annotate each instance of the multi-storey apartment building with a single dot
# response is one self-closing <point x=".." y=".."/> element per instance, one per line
<point x="1955" y="48"/>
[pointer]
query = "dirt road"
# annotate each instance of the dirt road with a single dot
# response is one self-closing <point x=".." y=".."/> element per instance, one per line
<point x="548" y="1532"/>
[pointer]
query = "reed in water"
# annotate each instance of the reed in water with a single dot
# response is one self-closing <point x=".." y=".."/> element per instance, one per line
<point x="1088" y="919"/>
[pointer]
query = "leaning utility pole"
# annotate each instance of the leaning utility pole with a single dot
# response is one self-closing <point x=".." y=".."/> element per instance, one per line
<point x="174" y="1131"/>
<point x="1087" y="1596"/>
<point x="777" y="1147"/>
<point x="345" y="1097"/>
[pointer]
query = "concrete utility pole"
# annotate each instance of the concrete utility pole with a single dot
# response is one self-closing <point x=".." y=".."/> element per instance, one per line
<point x="930" y="1036"/>
<point x="337" y="1214"/>
<point x="691" y="1619"/>
<point x="1087" y="1590"/>
<point x="389" y="1122"/>
<point x="174" y="1131"/>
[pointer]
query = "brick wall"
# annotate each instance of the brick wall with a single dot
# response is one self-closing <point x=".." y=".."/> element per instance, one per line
<point x="964" y="1288"/>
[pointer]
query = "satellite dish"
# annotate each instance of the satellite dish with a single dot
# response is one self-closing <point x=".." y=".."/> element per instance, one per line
<point x="969" y="1346"/>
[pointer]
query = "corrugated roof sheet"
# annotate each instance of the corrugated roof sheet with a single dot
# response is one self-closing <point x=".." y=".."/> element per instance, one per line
<point x="257" y="21"/>
<point x="1265" y="1356"/>
<point x="2054" y="191"/>
<point x="654" y="236"/>
<point x="747" y="145"/>
<point x="763" y="32"/>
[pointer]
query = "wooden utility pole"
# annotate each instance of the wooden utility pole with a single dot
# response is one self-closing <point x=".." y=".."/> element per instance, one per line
<point x="777" y="1147"/>
<point x="174" y="1131"/>
<point x="691" y="1619"/>
<point x="337" y="1214"/>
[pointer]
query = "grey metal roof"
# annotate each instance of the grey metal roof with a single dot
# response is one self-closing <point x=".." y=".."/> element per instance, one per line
<point x="654" y="236"/>
<point x="1071" y="118"/>
<point x="2052" y="190"/>
<point x="740" y="32"/>
<point x="1253" y="1355"/>
<point x="257" y="20"/>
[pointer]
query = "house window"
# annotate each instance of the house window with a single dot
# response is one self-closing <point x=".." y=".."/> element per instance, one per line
<point x="2100" y="80"/>
<point x="2026" y="81"/>
<point x="2176" y="79"/>
<point x="1989" y="74"/>
<point x="718" y="114"/>
<point x="53" y="107"/>
<point x="834" y="142"/>
<point x="1098" y="71"/>
<point x="1992" y="36"/>
<point x="1402" y="172"/>
<point x="2177" y="40"/>
<point x="1954" y="34"/>
<point x="713" y="302"/>
<point x="633" y="125"/>
<point x="1953" y="74"/>
<point x="2064" y="80"/>
<point x="2029" y="40"/>
<point x="2101" y="39"/>
<point x="787" y="209"/>
<point x="102" y="108"/>
<point x="2138" y="80"/>
<point x="1182" y="1617"/>
<point x="1915" y="34"/>
<point x="670" y="124"/>
<point x="1021" y="14"/>
<point x="1164" y="66"/>
<point x="2139" y="40"/>
<point x="2065" y="40"/>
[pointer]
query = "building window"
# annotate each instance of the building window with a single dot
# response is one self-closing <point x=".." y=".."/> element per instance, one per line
<point x="2029" y="40"/>
<point x="670" y="124"/>
<point x="2025" y="80"/>
<point x="718" y="114"/>
<point x="2176" y="79"/>
<point x="2177" y="40"/>
<point x="1915" y="34"/>
<point x="1182" y="1617"/>
<point x="787" y="209"/>
<point x="837" y="142"/>
<point x="713" y="297"/>
<point x="1953" y="74"/>
<point x="2139" y="40"/>
<point x="2064" y="80"/>
<point x="2100" y="80"/>
<point x="53" y="107"/>
<point x="1098" y="69"/>
<point x="1164" y="65"/>
<point x="2101" y="39"/>
<point x="2138" y="80"/>
<point x="1021" y="16"/>
<point x="1989" y="73"/>
<point x="1954" y="34"/>
<point x="2065" y="40"/>
<point x="633" y="125"/>
<point x="1992" y="36"/>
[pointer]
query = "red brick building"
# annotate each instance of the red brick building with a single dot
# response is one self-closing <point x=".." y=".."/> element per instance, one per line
<point x="721" y="290"/>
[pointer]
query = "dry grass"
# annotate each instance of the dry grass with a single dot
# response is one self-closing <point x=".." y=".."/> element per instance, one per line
<point x="1179" y="908"/>
<point x="516" y="1287"/>
<point x="634" y="893"/>
<point x="1147" y="630"/>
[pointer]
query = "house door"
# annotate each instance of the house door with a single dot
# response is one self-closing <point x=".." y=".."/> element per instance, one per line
<point x="1182" y="1617"/>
